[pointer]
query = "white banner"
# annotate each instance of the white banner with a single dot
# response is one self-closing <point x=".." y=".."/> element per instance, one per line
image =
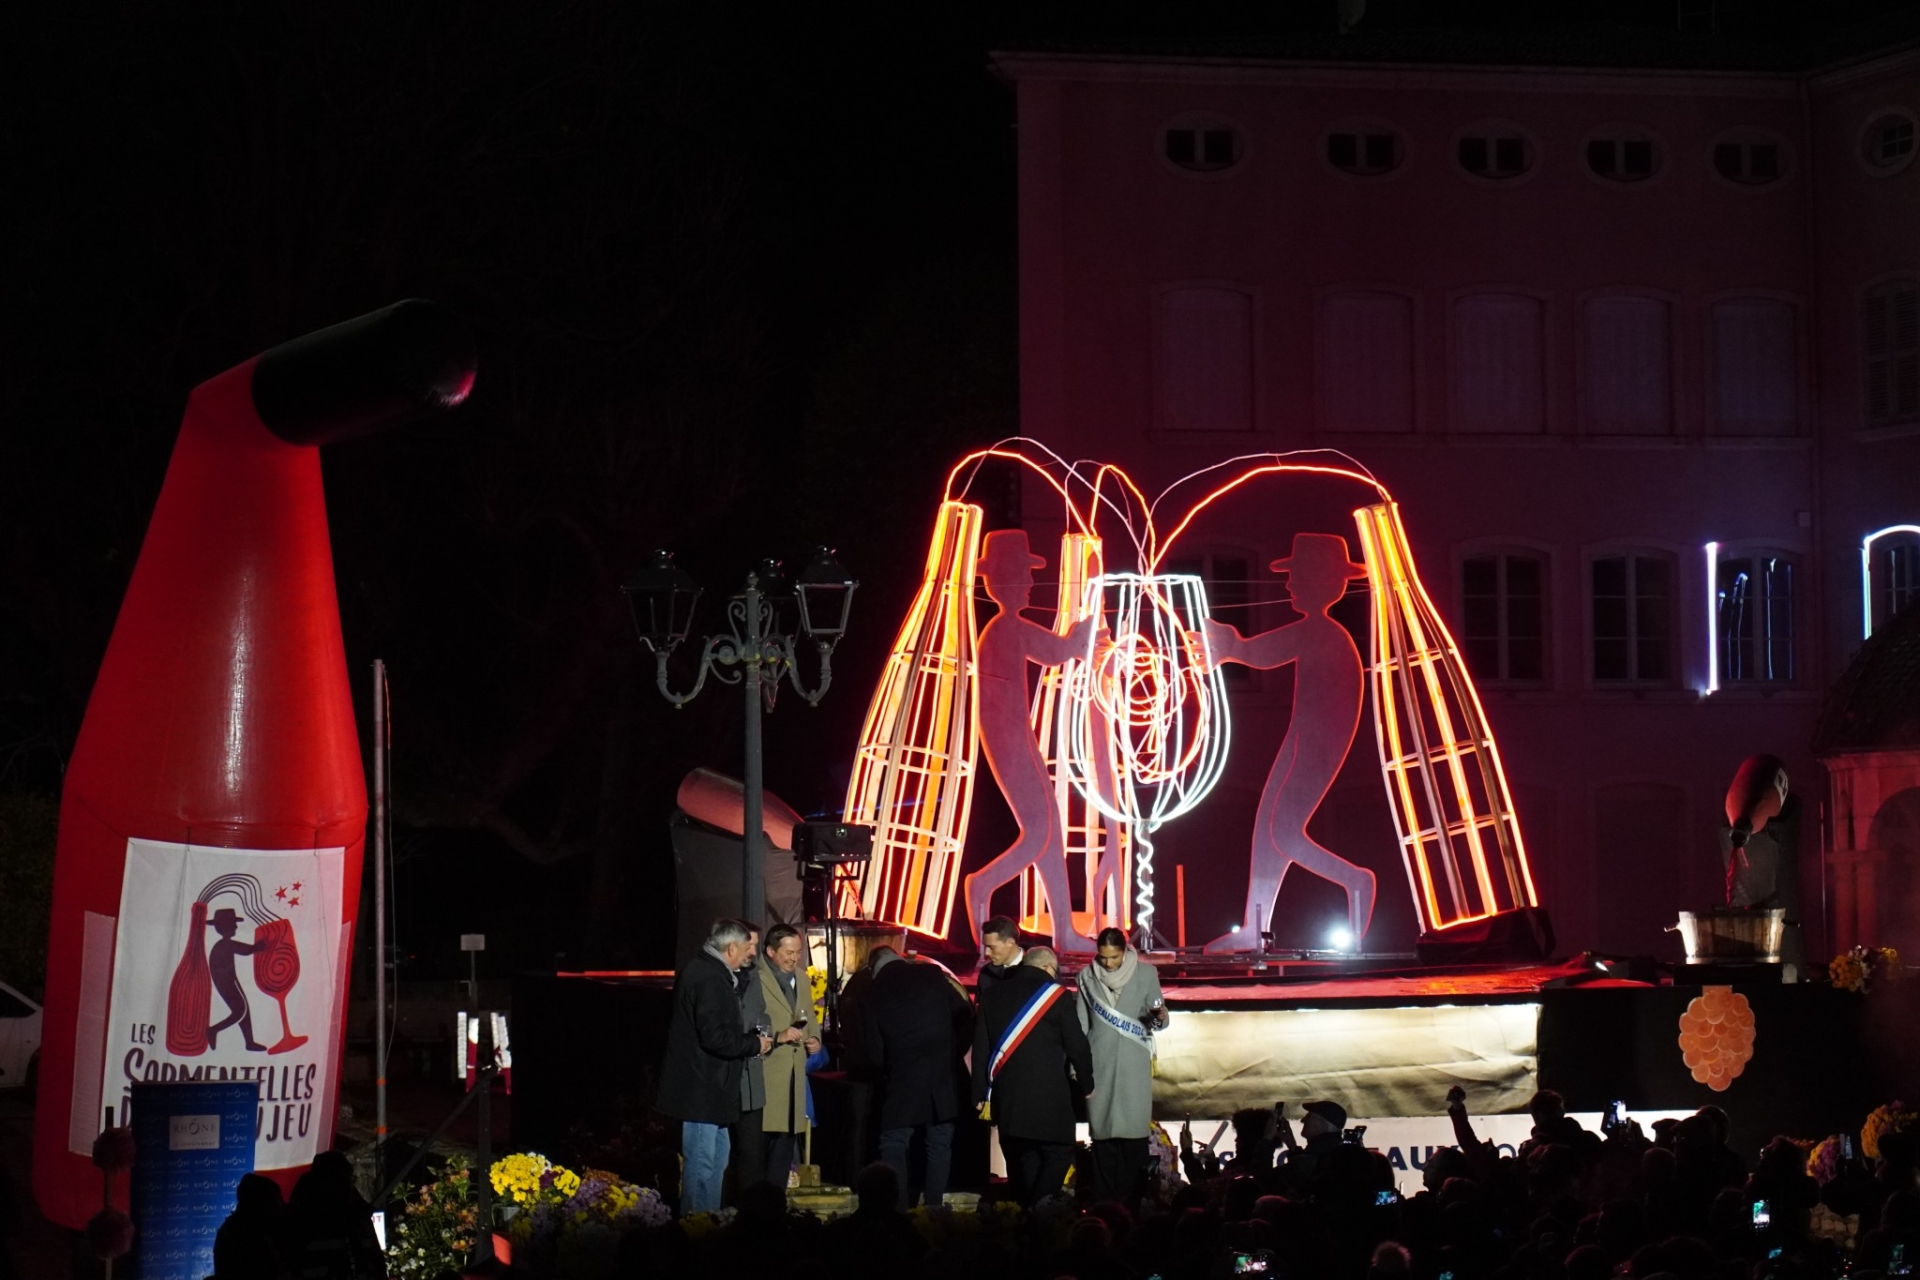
<point x="225" y="968"/>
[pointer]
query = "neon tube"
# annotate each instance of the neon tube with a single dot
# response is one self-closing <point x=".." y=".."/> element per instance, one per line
<point x="1866" y="572"/>
<point x="1713" y="617"/>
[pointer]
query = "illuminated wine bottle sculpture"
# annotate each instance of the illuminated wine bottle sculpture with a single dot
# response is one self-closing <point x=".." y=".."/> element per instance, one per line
<point x="1458" y="831"/>
<point x="914" y="770"/>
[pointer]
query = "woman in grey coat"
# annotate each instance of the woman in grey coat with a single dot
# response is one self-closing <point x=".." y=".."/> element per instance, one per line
<point x="1120" y="1007"/>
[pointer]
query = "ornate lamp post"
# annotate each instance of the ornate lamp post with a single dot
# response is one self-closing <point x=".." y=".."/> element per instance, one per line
<point x="763" y="642"/>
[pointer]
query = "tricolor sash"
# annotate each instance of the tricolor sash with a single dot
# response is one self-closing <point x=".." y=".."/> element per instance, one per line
<point x="1023" y="1022"/>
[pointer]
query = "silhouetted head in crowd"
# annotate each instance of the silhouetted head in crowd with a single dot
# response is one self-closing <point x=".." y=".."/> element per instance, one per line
<point x="1781" y="1158"/>
<point x="258" y="1196"/>
<point x="1546" y="1105"/>
<point x="877" y="1186"/>
<point x="1322" y="1117"/>
<point x="1443" y="1163"/>
<point x="1657" y="1170"/>
<point x="1390" y="1260"/>
<point x="1718" y="1126"/>
<point x="1251" y="1135"/>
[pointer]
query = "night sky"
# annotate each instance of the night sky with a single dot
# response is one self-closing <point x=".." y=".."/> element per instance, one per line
<point x="743" y="280"/>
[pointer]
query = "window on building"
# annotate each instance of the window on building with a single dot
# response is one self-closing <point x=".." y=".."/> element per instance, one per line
<point x="1496" y="376"/>
<point x="1364" y="355"/>
<point x="1890" y="349"/>
<point x="1366" y="152"/>
<point x="1633" y="619"/>
<point x="1228" y="576"/>
<point x="1495" y="154"/>
<point x="1756" y="385"/>
<point x="1504" y="595"/>
<point x="1203" y="360"/>
<point x="1893" y="566"/>
<point x="1627" y="367"/>
<point x="1887" y="144"/>
<point x="1751" y="163"/>
<point x="1623" y="158"/>
<point x="1203" y="149"/>
<point x="1753" y="610"/>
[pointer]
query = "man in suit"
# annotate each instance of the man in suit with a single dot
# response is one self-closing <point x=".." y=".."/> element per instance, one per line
<point x="915" y="1021"/>
<point x="1000" y="948"/>
<point x="706" y="1047"/>
<point x="786" y="998"/>
<point x="1027" y="1038"/>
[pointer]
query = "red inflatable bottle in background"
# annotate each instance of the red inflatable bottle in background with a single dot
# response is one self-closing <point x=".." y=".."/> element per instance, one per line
<point x="215" y="808"/>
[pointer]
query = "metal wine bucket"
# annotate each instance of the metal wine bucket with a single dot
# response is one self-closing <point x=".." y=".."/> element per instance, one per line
<point x="1732" y="933"/>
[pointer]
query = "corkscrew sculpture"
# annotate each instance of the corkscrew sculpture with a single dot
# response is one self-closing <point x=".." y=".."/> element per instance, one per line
<point x="1131" y="725"/>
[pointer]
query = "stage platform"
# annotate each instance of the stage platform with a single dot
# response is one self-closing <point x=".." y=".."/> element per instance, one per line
<point x="1385" y="1038"/>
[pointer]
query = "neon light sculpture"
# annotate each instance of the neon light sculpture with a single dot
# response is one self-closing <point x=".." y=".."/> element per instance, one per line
<point x="1153" y="718"/>
<point x="1103" y="842"/>
<point x="919" y="751"/>
<point x="1445" y="784"/>
<point x="1145" y="723"/>
<point x="1329" y="689"/>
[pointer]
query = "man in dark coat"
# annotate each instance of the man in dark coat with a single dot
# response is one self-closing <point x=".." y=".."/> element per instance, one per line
<point x="914" y="1020"/>
<point x="706" y="1048"/>
<point x="1028" y="1022"/>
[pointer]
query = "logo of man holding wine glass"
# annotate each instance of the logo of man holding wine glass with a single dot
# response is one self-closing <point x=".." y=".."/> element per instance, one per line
<point x="204" y="972"/>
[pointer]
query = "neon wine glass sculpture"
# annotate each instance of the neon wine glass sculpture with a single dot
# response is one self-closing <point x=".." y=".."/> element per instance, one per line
<point x="1153" y="717"/>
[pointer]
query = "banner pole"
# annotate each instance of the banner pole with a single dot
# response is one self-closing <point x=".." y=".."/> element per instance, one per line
<point x="379" y="921"/>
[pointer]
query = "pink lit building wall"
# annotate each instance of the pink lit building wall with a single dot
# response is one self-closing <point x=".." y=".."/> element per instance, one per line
<point x="1583" y="323"/>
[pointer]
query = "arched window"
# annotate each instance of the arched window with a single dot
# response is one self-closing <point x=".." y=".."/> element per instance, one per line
<point x="1756" y="385"/>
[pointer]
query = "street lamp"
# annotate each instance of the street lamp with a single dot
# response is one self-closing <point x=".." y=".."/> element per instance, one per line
<point x="762" y="641"/>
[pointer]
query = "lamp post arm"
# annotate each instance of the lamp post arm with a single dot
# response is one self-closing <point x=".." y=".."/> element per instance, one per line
<point x="813" y="696"/>
<point x="718" y="649"/>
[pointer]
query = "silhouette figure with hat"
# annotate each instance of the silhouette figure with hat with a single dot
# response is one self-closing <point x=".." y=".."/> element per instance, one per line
<point x="1328" y="689"/>
<point x="1007" y="644"/>
<point x="226" y="980"/>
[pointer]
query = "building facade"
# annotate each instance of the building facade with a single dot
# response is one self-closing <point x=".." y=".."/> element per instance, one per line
<point x="1637" y="351"/>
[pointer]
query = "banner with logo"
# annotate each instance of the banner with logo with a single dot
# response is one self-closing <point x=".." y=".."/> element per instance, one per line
<point x="229" y="965"/>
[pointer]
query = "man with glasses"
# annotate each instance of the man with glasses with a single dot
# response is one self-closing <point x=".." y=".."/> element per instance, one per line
<point x="706" y="1050"/>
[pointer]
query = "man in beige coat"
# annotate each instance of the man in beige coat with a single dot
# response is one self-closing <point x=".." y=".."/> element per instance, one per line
<point x="796" y="1033"/>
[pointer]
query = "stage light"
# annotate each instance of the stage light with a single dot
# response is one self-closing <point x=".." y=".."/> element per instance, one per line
<point x="1339" y="938"/>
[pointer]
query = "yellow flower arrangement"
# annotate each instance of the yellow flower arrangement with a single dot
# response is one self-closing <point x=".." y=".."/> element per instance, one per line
<point x="1854" y="970"/>
<point x="529" y="1178"/>
<point x="1894" y="1117"/>
<point x="817" y="985"/>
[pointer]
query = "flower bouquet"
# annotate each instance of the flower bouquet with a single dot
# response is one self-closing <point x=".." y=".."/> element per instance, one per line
<point x="1856" y="970"/>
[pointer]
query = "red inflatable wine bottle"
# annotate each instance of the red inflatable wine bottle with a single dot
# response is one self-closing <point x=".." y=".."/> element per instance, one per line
<point x="214" y="811"/>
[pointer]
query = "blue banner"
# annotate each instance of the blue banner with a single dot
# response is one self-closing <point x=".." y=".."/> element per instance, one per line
<point x="192" y="1145"/>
